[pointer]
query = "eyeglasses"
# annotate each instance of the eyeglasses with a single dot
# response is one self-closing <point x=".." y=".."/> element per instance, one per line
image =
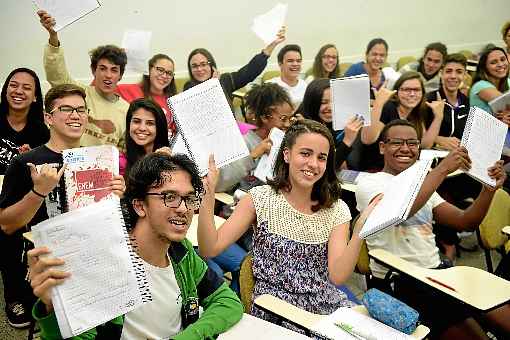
<point x="172" y="200"/>
<point x="282" y="118"/>
<point x="202" y="64"/>
<point x="161" y="71"/>
<point x="409" y="90"/>
<point x="327" y="56"/>
<point x="398" y="142"/>
<point x="67" y="109"/>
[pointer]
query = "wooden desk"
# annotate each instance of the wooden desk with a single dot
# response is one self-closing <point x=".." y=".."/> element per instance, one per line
<point x="252" y="328"/>
<point x="306" y="319"/>
<point x="224" y="197"/>
<point x="475" y="287"/>
<point x="191" y="234"/>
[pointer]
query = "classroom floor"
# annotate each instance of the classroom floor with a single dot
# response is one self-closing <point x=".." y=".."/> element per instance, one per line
<point x="355" y="283"/>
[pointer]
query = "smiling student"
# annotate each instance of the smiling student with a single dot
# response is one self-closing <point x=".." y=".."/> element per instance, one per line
<point x="301" y="246"/>
<point x="325" y="64"/>
<point x="107" y="111"/>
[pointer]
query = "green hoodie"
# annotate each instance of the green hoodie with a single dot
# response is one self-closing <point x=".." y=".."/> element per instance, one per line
<point x="199" y="285"/>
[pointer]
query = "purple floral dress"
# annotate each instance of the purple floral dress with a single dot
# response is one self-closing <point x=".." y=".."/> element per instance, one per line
<point x="290" y="253"/>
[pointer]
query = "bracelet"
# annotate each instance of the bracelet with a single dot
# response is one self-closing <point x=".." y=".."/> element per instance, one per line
<point x="38" y="194"/>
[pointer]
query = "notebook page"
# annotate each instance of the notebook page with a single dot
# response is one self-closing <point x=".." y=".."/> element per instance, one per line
<point x="350" y="97"/>
<point x="179" y="146"/>
<point x="374" y="329"/>
<point x="66" y="12"/>
<point x="399" y="195"/>
<point x="207" y="124"/>
<point x="137" y="45"/>
<point x="500" y="103"/>
<point x="483" y="137"/>
<point x="266" y="163"/>
<point x="107" y="279"/>
<point x="267" y="25"/>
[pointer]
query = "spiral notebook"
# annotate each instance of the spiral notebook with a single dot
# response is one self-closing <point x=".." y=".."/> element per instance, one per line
<point x="207" y="125"/>
<point x="399" y="196"/>
<point x="350" y="98"/>
<point x="265" y="167"/>
<point x="88" y="174"/>
<point x="108" y="278"/>
<point x="483" y="137"/>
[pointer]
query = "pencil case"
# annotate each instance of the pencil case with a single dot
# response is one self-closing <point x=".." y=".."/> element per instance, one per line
<point x="390" y="311"/>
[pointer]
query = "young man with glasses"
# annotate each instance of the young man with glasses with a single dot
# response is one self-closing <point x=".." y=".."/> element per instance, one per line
<point x="162" y="195"/>
<point x="33" y="188"/>
<point x="414" y="241"/>
<point x="107" y="116"/>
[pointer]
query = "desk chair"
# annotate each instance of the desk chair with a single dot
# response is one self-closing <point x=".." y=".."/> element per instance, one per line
<point x="269" y="75"/>
<point x="238" y="100"/>
<point x="179" y="83"/>
<point x="363" y="263"/>
<point x="489" y="233"/>
<point x="404" y="61"/>
<point x="304" y="319"/>
<point x="246" y="282"/>
<point x="344" y="67"/>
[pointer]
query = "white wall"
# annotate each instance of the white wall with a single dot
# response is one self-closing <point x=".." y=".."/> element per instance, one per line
<point x="223" y="27"/>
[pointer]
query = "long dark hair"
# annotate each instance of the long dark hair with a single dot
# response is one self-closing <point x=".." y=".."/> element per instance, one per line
<point x="169" y="90"/>
<point x="318" y="70"/>
<point x="134" y="151"/>
<point x="327" y="189"/>
<point x="483" y="74"/>
<point x="311" y="104"/>
<point x="210" y="60"/>
<point x="36" y="111"/>
<point x="417" y="115"/>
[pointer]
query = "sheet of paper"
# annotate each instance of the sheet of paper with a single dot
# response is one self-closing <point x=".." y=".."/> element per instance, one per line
<point x="267" y="25"/>
<point x="107" y="279"/>
<point x="350" y="97"/>
<point x="206" y="122"/>
<point x="65" y="12"/>
<point x="484" y="138"/>
<point x="372" y="328"/>
<point x="350" y="176"/>
<point x="264" y="170"/>
<point x="179" y="146"/>
<point x="137" y="45"/>
<point x="500" y="103"/>
<point x="433" y="154"/>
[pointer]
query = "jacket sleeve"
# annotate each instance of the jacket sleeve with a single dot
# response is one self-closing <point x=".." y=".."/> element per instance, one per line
<point x="247" y="73"/>
<point x="55" y="66"/>
<point x="222" y="308"/>
<point x="49" y="326"/>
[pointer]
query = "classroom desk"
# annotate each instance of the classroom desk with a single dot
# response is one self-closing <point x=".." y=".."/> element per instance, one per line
<point x="252" y="328"/>
<point x="506" y="230"/>
<point x="475" y="287"/>
<point x="306" y="319"/>
<point x="224" y="197"/>
<point x="191" y="235"/>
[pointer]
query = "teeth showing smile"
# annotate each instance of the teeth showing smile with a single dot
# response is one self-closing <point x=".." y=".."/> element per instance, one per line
<point x="74" y="125"/>
<point x="405" y="158"/>
<point x="180" y="224"/>
<point x="17" y="99"/>
<point x="308" y="173"/>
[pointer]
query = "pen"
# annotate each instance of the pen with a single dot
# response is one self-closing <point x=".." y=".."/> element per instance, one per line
<point x="355" y="332"/>
<point x="441" y="283"/>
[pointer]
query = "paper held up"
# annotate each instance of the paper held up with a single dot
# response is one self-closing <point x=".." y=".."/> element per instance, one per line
<point x="267" y="25"/>
<point x="137" y="45"/>
<point x="66" y="12"/>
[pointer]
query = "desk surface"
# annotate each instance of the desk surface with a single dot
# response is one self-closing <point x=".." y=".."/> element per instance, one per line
<point x="252" y="328"/>
<point x="191" y="234"/>
<point x="506" y="230"/>
<point x="307" y="319"/>
<point x="473" y="286"/>
<point x="224" y="197"/>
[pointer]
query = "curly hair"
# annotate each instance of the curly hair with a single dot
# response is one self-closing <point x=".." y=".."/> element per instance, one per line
<point x="112" y="53"/>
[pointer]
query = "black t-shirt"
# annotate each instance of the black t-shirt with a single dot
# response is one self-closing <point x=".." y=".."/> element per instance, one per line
<point x="33" y="134"/>
<point x="454" y="119"/>
<point x="18" y="182"/>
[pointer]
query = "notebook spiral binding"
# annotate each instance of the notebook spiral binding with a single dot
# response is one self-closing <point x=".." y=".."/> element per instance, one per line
<point x="138" y="266"/>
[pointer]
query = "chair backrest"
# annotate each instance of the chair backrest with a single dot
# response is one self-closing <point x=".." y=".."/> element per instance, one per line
<point x="270" y="75"/>
<point x="404" y="61"/>
<point x="363" y="264"/>
<point x="468" y="54"/>
<point x="497" y="217"/>
<point x="179" y="83"/>
<point x="344" y="67"/>
<point x="246" y="282"/>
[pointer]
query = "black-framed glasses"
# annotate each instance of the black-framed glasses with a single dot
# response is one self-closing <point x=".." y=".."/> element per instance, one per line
<point x="399" y="142"/>
<point x="173" y="200"/>
<point x="202" y="64"/>
<point x="161" y="71"/>
<point x="68" y="109"/>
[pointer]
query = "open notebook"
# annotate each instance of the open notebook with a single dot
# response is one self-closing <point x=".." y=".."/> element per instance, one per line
<point x="350" y="97"/>
<point x="483" y="137"/>
<point x="362" y="326"/>
<point x="67" y="12"/>
<point x="264" y="169"/>
<point x="207" y="125"/>
<point x="399" y="196"/>
<point x="108" y="278"/>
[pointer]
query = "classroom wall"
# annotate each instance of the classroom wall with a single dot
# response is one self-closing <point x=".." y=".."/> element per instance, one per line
<point x="223" y="27"/>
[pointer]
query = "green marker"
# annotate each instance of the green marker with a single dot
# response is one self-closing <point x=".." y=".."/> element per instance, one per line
<point x="355" y="332"/>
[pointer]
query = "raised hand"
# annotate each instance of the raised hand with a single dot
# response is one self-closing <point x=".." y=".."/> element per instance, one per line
<point x="211" y="179"/>
<point x="46" y="179"/>
<point x="351" y="130"/>
<point x="498" y="173"/>
<point x="447" y="143"/>
<point x="458" y="158"/>
<point x="383" y="94"/>
<point x="262" y="148"/>
<point x="437" y="106"/>
<point x="365" y="213"/>
<point x="117" y="185"/>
